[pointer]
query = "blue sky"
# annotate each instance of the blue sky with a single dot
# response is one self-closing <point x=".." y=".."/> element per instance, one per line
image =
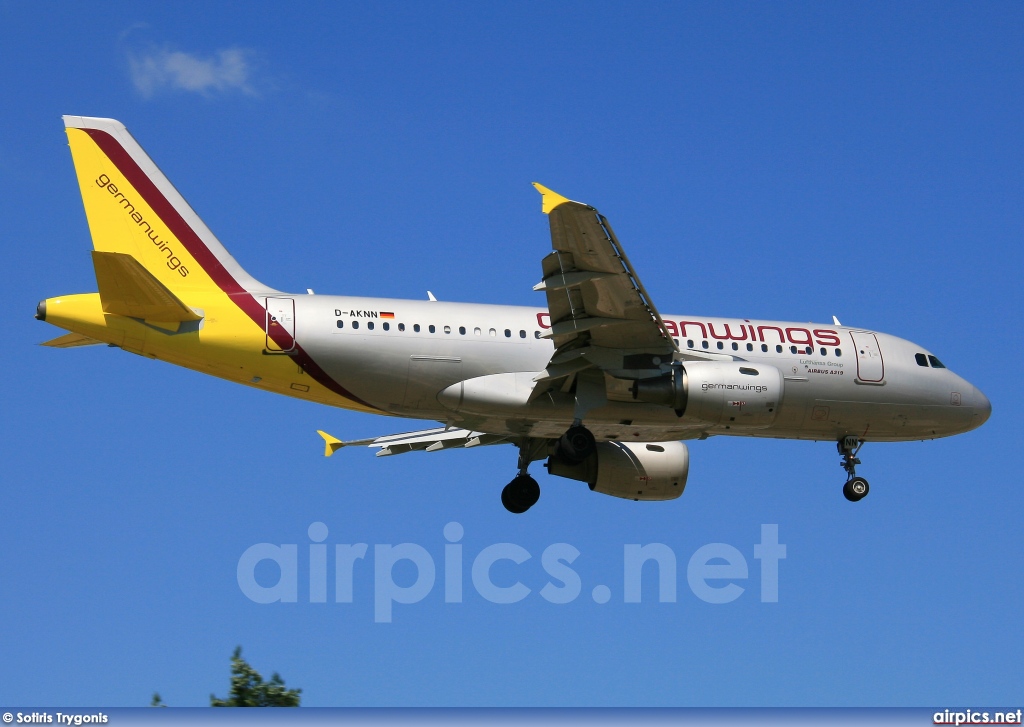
<point x="787" y="161"/>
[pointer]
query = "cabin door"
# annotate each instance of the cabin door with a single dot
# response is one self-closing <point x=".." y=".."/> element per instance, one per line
<point x="280" y="325"/>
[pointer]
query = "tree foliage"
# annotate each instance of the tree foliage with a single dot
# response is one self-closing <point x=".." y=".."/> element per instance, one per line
<point x="249" y="690"/>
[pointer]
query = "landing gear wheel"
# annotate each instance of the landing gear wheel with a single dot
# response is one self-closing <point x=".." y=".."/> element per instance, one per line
<point x="520" y="494"/>
<point x="856" y="489"/>
<point x="577" y="444"/>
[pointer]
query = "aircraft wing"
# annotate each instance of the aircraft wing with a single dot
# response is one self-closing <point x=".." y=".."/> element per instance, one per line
<point x="601" y="315"/>
<point x="591" y="286"/>
<point x="427" y="440"/>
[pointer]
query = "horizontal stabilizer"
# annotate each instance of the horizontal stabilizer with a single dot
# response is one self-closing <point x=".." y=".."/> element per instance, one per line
<point x="71" y="340"/>
<point x="128" y="289"/>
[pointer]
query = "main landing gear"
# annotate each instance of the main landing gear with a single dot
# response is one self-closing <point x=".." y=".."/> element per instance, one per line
<point x="523" y="491"/>
<point x="856" y="488"/>
<point x="520" y="494"/>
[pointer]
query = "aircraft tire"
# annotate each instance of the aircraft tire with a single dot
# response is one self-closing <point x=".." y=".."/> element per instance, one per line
<point x="856" y="489"/>
<point x="520" y="494"/>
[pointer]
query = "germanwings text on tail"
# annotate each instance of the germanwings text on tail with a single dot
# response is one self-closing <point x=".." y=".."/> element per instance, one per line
<point x="598" y="382"/>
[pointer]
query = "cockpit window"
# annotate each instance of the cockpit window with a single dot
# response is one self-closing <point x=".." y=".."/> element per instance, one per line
<point x="921" y="359"/>
<point x="936" y="364"/>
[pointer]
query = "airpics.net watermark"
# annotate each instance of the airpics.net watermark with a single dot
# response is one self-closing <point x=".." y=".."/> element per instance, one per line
<point x="712" y="571"/>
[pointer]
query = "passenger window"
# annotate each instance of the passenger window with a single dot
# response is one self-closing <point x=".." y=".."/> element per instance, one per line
<point x="792" y="349"/>
<point x="341" y="324"/>
<point x="508" y="333"/>
<point x="492" y="333"/>
<point x="704" y="344"/>
<point x="735" y="346"/>
<point x="921" y="359"/>
<point x="689" y="344"/>
<point x="522" y="334"/>
<point x="462" y="330"/>
<point x="720" y="345"/>
<point x="750" y="347"/>
<point x="839" y="352"/>
<point x="675" y="341"/>
<point x="536" y="334"/>
<point x="764" y="348"/>
<point x="387" y="326"/>
<point x="355" y="324"/>
<point x="370" y="325"/>
<point x="448" y="329"/>
<point x="936" y="364"/>
<point x="432" y="329"/>
<point x="416" y="327"/>
<point x="778" y="349"/>
<point x="401" y="326"/>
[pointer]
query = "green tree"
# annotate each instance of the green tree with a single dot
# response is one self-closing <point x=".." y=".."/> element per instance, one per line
<point x="249" y="690"/>
<point x="157" y="700"/>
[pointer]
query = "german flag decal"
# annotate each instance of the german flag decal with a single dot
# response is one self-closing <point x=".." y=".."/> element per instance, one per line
<point x="386" y="314"/>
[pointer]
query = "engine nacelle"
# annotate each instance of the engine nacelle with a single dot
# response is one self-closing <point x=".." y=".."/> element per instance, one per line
<point x="632" y="470"/>
<point x="734" y="394"/>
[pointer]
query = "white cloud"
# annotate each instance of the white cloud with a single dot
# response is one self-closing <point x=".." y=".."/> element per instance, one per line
<point x="161" y="68"/>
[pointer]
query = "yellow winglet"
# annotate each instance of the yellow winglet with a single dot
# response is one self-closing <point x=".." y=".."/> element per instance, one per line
<point x="549" y="198"/>
<point x="331" y="444"/>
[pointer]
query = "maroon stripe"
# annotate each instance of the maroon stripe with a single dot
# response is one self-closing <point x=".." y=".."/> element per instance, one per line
<point x="205" y="257"/>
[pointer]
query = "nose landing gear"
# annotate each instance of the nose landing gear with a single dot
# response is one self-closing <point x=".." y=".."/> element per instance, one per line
<point x="856" y="488"/>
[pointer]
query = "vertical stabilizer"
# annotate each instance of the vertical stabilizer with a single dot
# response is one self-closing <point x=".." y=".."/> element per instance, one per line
<point x="133" y="209"/>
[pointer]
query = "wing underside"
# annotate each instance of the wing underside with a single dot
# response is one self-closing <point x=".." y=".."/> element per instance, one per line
<point x="602" y="317"/>
<point x="426" y="440"/>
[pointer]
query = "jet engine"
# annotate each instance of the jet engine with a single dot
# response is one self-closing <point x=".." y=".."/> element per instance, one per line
<point x="632" y="470"/>
<point x="729" y="393"/>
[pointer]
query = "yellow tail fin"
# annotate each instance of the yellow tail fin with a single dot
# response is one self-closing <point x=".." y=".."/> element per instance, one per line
<point x="133" y="209"/>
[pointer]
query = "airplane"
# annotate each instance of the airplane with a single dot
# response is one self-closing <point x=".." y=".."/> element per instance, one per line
<point x="598" y="383"/>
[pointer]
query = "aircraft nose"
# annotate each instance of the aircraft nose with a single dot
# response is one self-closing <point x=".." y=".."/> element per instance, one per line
<point x="982" y="408"/>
